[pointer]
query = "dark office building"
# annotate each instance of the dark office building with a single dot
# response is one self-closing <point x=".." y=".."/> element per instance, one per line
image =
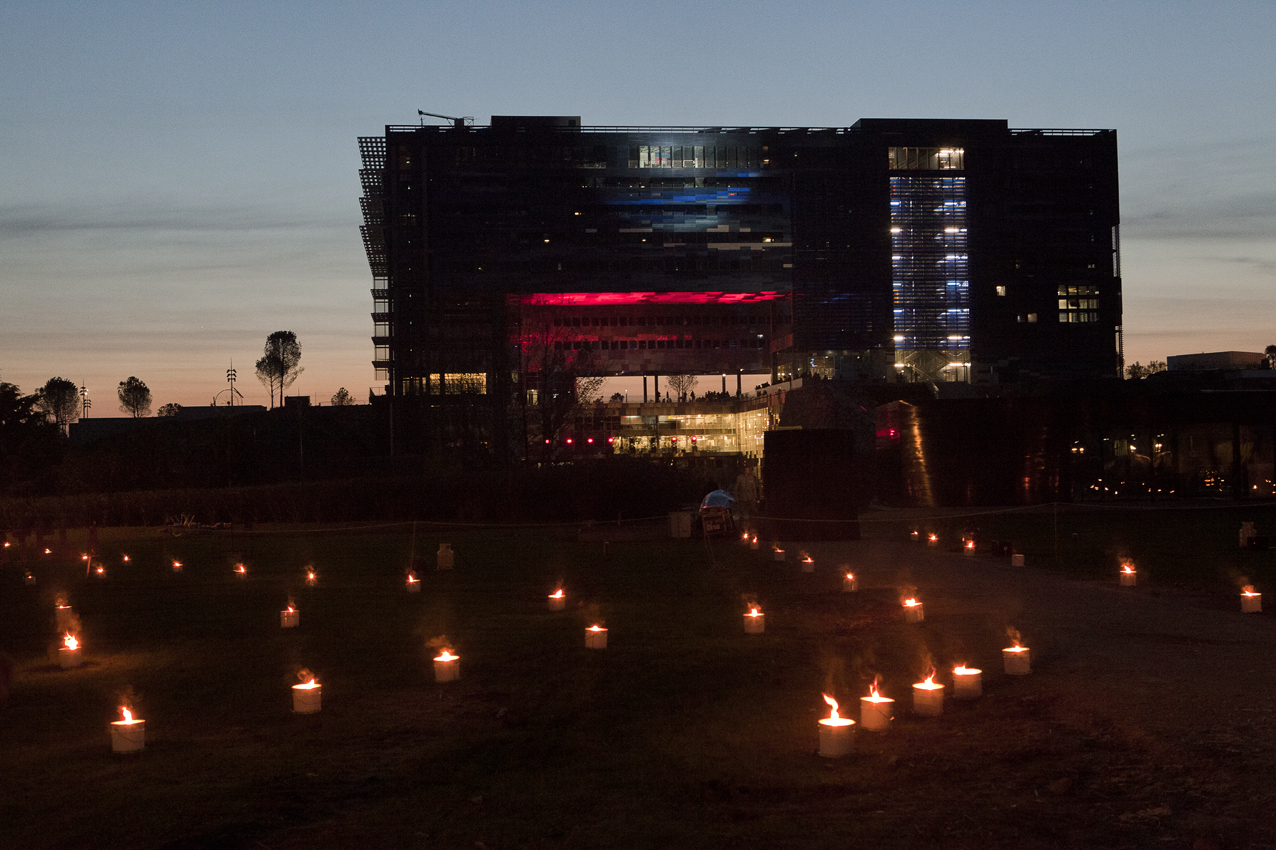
<point x="930" y="250"/>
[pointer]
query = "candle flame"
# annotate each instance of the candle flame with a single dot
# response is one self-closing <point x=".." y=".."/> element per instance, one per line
<point x="930" y="680"/>
<point x="48" y="551"/>
<point x="595" y="628"/>
<point x="446" y="655"/>
<point x="84" y="557"/>
<point x="241" y="569"/>
<point x="1248" y="590"/>
<point x="126" y="559"/>
<point x="970" y="544"/>
<point x="308" y="685"/>
<point x="177" y="565"/>
<point x="911" y="603"/>
<point x="558" y="594"/>
<point x="70" y="641"/>
<point x="310" y="576"/>
<point x="101" y="571"/>
<point x="126" y="714"/>
<point x="963" y="670"/>
<point x="832" y="706"/>
<point x="851" y="576"/>
<point x="874" y="695"/>
<point x="754" y="612"/>
<point x="1127" y="567"/>
<point x="932" y="538"/>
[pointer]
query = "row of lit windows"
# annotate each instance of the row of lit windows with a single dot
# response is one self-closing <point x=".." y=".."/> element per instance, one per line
<point x="454" y="383"/>
<point x="654" y="344"/>
<point x="1065" y="318"/>
<point x="927" y="159"/>
<point x="623" y="321"/>
<point x="596" y="156"/>
<point x="695" y="156"/>
<point x="1079" y="290"/>
<point x="1078" y="303"/>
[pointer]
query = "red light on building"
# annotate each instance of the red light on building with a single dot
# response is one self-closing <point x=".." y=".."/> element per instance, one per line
<point x="604" y="299"/>
<point x="590" y="441"/>
<point x="569" y="441"/>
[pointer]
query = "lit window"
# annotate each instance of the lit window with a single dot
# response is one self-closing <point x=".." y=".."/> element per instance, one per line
<point x="1032" y="317"/>
<point x="1001" y="290"/>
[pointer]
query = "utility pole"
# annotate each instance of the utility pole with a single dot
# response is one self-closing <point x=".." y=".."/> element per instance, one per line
<point x="84" y="401"/>
<point x="230" y="378"/>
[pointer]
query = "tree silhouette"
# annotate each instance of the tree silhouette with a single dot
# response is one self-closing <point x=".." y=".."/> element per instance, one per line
<point x="342" y="398"/>
<point x="30" y="446"/>
<point x="60" y="401"/>
<point x="1137" y="371"/>
<point x="561" y="366"/>
<point x="681" y="385"/>
<point x="278" y="366"/>
<point x="135" y="398"/>
<point x="170" y="409"/>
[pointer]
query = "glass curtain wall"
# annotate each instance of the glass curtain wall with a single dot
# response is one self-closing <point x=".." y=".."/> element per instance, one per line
<point x="930" y="264"/>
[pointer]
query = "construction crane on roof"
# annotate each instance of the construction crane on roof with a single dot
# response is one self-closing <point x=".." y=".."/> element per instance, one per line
<point x="458" y="123"/>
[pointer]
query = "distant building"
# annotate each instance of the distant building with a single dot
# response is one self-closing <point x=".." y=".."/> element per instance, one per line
<point x="1215" y="360"/>
<point x="918" y="250"/>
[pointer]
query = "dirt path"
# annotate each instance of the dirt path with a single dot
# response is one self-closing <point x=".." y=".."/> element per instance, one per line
<point x="1187" y="682"/>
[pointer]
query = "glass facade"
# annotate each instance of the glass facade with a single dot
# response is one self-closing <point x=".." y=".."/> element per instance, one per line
<point x="953" y="250"/>
<point x="930" y="262"/>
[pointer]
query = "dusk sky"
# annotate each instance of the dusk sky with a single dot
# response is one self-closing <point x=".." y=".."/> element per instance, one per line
<point x="178" y="180"/>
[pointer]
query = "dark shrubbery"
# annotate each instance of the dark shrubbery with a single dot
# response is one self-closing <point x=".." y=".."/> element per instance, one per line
<point x="600" y="490"/>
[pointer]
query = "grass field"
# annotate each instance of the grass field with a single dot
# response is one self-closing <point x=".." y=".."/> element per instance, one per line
<point x="684" y="732"/>
<point x="1187" y="546"/>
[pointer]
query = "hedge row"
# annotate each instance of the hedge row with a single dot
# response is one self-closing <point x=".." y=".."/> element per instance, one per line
<point x="596" y="490"/>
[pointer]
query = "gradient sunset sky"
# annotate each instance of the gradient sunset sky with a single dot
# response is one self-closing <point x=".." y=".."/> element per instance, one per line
<point x="179" y="179"/>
